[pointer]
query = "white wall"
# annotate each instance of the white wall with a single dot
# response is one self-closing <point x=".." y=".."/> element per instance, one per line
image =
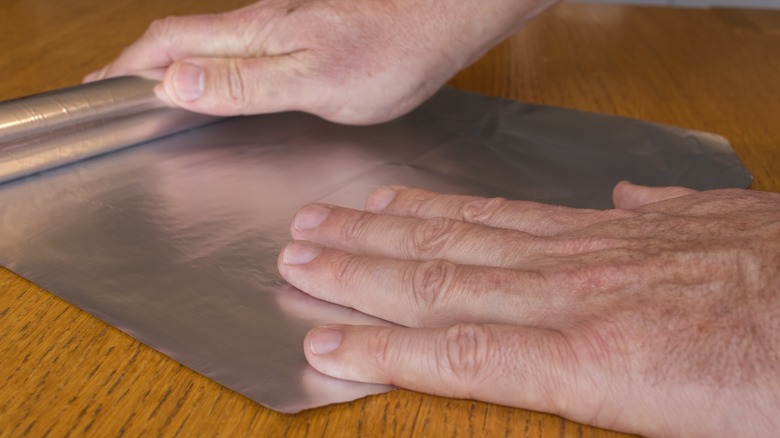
<point x="769" y="4"/>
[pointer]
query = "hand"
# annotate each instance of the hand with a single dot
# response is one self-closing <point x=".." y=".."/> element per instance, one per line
<point x="349" y="61"/>
<point x="661" y="317"/>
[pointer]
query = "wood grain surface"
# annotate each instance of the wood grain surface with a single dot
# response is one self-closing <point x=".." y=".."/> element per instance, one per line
<point x="65" y="373"/>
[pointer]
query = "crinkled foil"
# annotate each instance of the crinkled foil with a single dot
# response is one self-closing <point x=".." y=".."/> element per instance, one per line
<point x="175" y="241"/>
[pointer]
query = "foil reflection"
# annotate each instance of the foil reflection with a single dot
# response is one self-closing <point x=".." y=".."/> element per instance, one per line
<point x="49" y="130"/>
<point x="175" y="241"/>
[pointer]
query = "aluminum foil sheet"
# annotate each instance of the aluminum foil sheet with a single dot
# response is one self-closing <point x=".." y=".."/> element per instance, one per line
<point x="175" y="241"/>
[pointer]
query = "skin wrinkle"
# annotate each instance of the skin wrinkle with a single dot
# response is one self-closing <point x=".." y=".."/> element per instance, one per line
<point x="510" y="257"/>
<point x="692" y="281"/>
<point x="563" y="219"/>
<point x="575" y="246"/>
<point x="669" y="340"/>
<point x="338" y="74"/>
<point x="430" y="237"/>
<point x="258" y="31"/>
<point x="608" y="351"/>
<point x="347" y="268"/>
<point x="238" y="96"/>
<point x="433" y="238"/>
<point x="498" y="294"/>
<point x="341" y="70"/>
<point x="393" y="52"/>
<point x="432" y="287"/>
<point x="660" y="255"/>
<point x="658" y="317"/>
<point x="417" y="206"/>
<point x="158" y="32"/>
<point x="721" y="334"/>
<point x="561" y="365"/>
<point x="354" y="228"/>
<point x="483" y="211"/>
<point x="464" y="354"/>
<point x="453" y="239"/>
<point x="380" y="350"/>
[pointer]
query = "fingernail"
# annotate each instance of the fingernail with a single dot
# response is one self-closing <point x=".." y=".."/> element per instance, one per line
<point x="380" y="199"/>
<point x="189" y="82"/>
<point x="90" y="77"/>
<point x="310" y="217"/>
<point x="300" y="253"/>
<point x="325" y="340"/>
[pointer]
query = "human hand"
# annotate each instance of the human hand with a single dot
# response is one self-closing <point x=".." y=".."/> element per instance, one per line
<point x="349" y="61"/>
<point x="661" y="317"/>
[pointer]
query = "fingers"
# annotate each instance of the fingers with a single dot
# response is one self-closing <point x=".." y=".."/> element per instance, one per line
<point x="531" y="217"/>
<point x="230" y="86"/>
<point x="175" y="38"/>
<point x="628" y="196"/>
<point x="418" y="239"/>
<point x="527" y="368"/>
<point x="155" y="74"/>
<point x="433" y="293"/>
<point x="208" y="67"/>
<point x="412" y="238"/>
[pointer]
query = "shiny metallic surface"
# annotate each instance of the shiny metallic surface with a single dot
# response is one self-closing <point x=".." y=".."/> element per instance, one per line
<point x="49" y="130"/>
<point x="175" y="241"/>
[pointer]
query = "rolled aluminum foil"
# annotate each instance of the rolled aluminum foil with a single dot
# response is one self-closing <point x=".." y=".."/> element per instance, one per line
<point x="53" y="129"/>
<point x="175" y="241"/>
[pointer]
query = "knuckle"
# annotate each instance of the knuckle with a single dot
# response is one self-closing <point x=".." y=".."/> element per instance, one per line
<point x="465" y="353"/>
<point x="165" y="32"/>
<point x="432" y="236"/>
<point x="418" y="203"/>
<point x="163" y="29"/>
<point x="380" y="349"/>
<point x="354" y="228"/>
<point x="250" y="27"/>
<point x="236" y="87"/>
<point x="431" y="282"/>
<point x="483" y="211"/>
<point x="346" y="271"/>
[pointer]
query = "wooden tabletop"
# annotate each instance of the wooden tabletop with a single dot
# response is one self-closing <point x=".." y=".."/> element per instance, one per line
<point x="63" y="372"/>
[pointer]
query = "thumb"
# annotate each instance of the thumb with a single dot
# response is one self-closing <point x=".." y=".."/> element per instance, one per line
<point x="512" y="366"/>
<point x="628" y="196"/>
<point x="233" y="86"/>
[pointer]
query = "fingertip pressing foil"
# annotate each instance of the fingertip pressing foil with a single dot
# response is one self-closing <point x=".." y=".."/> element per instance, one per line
<point x="175" y="241"/>
<point x="53" y="129"/>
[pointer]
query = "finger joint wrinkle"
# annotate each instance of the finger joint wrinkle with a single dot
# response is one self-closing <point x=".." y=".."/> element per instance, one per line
<point x="483" y="211"/>
<point x="432" y="236"/>
<point x="237" y="87"/>
<point x="465" y="352"/>
<point x="431" y="283"/>
<point x="352" y="229"/>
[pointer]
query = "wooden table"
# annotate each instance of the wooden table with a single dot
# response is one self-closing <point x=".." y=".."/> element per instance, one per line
<point x="64" y="372"/>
